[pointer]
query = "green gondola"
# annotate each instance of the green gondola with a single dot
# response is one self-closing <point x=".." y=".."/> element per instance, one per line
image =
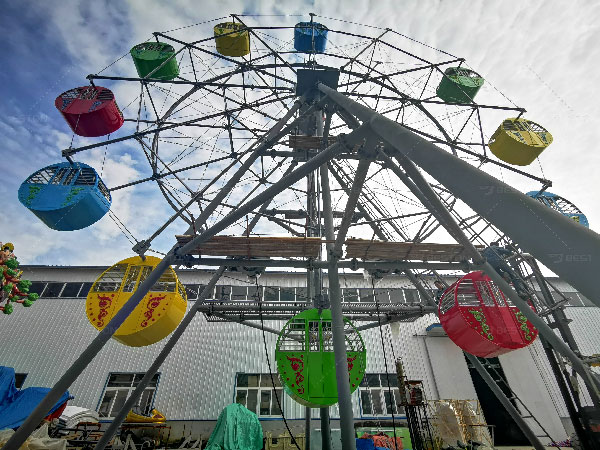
<point x="150" y="55"/>
<point x="459" y="85"/>
<point x="305" y="358"/>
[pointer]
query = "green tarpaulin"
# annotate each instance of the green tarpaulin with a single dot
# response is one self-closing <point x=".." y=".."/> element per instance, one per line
<point x="237" y="429"/>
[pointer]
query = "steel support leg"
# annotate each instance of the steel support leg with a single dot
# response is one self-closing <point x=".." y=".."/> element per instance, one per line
<point x="529" y="434"/>
<point x="307" y="414"/>
<point x="335" y="298"/>
<point x="325" y="430"/>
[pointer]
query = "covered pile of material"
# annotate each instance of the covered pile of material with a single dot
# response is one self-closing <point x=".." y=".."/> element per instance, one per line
<point x="237" y="429"/>
<point x="16" y="405"/>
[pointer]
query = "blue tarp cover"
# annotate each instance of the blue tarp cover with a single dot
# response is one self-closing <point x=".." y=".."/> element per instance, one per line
<point x="16" y="405"/>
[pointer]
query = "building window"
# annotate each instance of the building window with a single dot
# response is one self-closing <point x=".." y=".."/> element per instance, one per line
<point x="53" y="290"/>
<point x="119" y="387"/>
<point x="85" y="289"/>
<point x="223" y="293"/>
<point x="20" y="379"/>
<point x="239" y="293"/>
<point x="349" y="295"/>
<point x="375" y="398"/>
<point x="255" y="392"/>
<point x="192" y="291"/>
<point x="37" y="287"/>
<point x="71" y="290"/>
<point x="397" y="295"/>
<point x="287" y="295"/>
<point x="271" y="294"/>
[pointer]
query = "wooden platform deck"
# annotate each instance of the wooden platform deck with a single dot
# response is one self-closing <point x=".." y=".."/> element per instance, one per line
<point x="404" y="251"/>
<point x="257" y="246"/>
<point x="311" y="142"/>
<point x="301" y="247"/>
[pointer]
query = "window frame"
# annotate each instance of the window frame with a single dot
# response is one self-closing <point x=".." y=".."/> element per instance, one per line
<point x="129" y="389"/>
<point x="69" y="284"/>
<point x="382" y="392"/>
<point x="260" y="388"/>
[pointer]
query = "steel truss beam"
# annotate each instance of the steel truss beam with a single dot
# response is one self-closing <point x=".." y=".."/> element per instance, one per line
<point x="365" y="309"/>
<point x="191" y="83"/>
<point x="539" y="230"/>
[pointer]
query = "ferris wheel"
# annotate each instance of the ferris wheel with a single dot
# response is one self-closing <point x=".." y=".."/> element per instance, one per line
<point x="195" y="106"/>
<point x="225" y="111"/>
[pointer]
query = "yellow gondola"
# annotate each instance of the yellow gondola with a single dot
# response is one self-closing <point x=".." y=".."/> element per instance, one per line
<point x="232" y="39"/>
<point x="155" y="317"/>
<point x="519" y="141"/>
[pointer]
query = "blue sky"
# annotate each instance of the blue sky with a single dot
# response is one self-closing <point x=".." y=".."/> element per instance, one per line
<point x="542" y="55"/>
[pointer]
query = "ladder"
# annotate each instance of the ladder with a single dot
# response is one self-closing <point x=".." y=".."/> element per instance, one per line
<point x="524" y="411"/>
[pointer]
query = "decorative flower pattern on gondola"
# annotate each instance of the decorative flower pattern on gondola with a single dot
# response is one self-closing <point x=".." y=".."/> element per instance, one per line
<point x="485" y="328"/>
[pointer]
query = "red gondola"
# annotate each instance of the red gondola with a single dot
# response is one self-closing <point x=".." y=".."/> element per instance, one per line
<point x="90" y="111"/>
<point x="481" y="320"/>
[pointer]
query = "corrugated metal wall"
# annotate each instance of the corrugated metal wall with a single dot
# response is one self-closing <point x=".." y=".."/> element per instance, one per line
<point x="198" y="378"/>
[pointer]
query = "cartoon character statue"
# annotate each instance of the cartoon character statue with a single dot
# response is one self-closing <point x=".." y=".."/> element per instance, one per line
<point x="12" y="288"/>
<point x="6" y="252"/>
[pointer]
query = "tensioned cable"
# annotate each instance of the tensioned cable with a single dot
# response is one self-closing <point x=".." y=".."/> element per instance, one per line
<point x="387" y="373"/>
<point x="262" y="327"/>
<point x="195" y="24"/>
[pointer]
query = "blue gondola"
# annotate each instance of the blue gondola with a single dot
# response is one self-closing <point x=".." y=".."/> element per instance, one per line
<point x="307" y="32"/>
<point x="560" y="204"/>
<point x="66" y="196"/>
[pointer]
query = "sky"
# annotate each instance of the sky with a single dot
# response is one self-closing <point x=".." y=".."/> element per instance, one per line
<point x="540" y="54"/>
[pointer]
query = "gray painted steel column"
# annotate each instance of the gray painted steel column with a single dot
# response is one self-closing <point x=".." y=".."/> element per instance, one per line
<point x="558" y="314"/>
<point x="173" y="339"/>
<point x="529" y="434"/>
<point x="339" y="342"/>
<point x="325" y="430"/>
<point x="311" y="128"/>
<point x="307" y="415"/>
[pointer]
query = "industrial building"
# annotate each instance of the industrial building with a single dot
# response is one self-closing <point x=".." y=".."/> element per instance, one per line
<point x="216" y="363"/>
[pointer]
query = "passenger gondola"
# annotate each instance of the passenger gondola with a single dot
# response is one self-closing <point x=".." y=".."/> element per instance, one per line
<point x="232" y="39"/>
<point x="90" y="111"/>
<point x="305" y="358"/>
<point x="310" y="37"/>
<point x="459" y="85"/>
<point x="66" y="196"/>
<point x="560" y="204"/>
<point x="481" y="320"/>
<point x="155" y="60"/>
<point x="519" y="141"/>
<point x="155" y="317"/>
